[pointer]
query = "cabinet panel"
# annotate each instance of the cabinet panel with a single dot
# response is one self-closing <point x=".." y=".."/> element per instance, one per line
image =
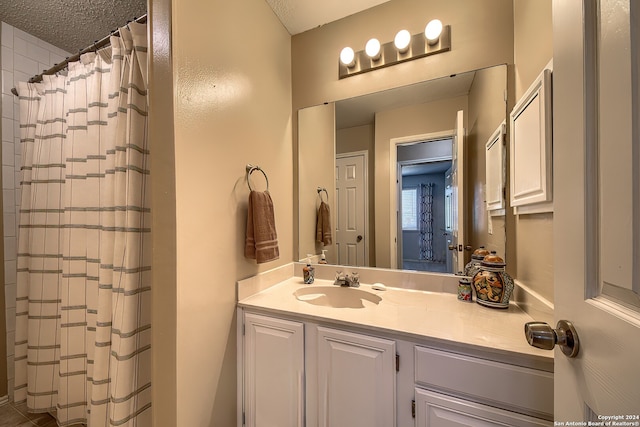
<point x="273" y="372"/>
<point x="439" y="410"/>
<point x="356" y="380"/>
<point x="508" y="386"/>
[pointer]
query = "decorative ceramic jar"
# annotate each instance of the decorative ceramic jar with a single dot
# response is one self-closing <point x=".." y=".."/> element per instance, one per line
<point x="476" y="258"/>
<point x="492" y="284"/>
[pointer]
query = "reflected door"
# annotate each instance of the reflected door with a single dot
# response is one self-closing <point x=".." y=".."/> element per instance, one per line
<point x="448" y="218"/>
<point x="351" y="209"/>
<point x="456" y="194"/>
<point x="596" y="103"/>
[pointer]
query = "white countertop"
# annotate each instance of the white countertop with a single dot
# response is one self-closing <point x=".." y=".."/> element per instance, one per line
<point x="421" y="316"/>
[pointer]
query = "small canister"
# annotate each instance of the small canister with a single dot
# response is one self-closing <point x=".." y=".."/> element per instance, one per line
<point x="464" y="289"/>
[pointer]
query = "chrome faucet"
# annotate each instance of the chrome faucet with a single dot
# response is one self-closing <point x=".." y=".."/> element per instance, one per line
<point x="352" y="281"/>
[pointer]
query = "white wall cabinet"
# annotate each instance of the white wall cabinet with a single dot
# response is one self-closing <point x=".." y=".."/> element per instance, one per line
<point x="356" y="380"/>
<point x="531" y="150"/>
<point x="273" y="390"/>
<point x="494" y="171"/>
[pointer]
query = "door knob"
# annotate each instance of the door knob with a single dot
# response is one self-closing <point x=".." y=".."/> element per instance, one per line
<point x="452" y="248"/>
<point x="359" y="238"/>
<point x="541" y="335"/>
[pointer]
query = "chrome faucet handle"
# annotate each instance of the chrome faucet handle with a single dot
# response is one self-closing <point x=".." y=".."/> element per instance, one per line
<point x="340" y="278"/>
<point x="354" y="280"/>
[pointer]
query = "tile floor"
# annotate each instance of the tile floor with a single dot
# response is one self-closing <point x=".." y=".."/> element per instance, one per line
<point x="16" y="416"/>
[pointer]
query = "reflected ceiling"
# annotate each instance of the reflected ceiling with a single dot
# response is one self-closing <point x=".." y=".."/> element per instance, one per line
<point x="361" y="110"/>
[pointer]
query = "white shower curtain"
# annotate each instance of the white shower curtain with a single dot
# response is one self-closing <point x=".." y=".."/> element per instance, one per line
<point x="83" y="328"/>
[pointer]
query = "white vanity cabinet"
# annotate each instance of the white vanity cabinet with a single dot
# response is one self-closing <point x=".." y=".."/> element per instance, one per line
<point x="273" y="372"/>
<point x="297" y="371"/>
<point x="460" y="390"/>
<point x="337" y="378"/>
<point x="356" y="379"/>
<point x="440" y="410"/>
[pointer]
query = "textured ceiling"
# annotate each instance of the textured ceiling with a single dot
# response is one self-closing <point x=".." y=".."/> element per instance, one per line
<point x="75" y="24"/>
<point x="70" y="24"/>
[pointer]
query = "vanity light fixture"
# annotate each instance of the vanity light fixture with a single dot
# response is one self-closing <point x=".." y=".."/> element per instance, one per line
<point x="436" y="38"/>
<point x="372" y="49"/>
<point x="348" y="57"/>
<point x="432" y="31"/>
<point x="402" y="40"/>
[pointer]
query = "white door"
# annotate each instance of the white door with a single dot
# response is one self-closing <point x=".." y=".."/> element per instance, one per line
<point x="597" y="208"/>
<point x="351" y="228"/>
<point x="273" y="372"/>
<point x="356" y="380"/>
<point x="457" y="195"/>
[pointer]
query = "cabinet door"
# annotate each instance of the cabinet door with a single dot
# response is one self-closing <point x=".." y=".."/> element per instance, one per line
<point x="273" y="372"/>
<point x="356" y="380"/>
<point x="439" y="410"/>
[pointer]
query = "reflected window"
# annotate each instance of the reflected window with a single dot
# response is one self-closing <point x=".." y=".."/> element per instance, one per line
<point x="410" y="212"/>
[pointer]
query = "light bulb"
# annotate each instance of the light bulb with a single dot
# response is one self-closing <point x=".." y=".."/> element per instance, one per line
<point x="373" y="49"/>
<point x="432" y="31"/>
<point x="347" y="57"/>
<point x="402" y="40"/>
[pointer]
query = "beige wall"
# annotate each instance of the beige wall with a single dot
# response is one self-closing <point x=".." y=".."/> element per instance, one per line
<point x="533" y="41"/>
<point x="481" y="33"/>
<point x="357" y="138"/>
<point x="318" y="136"/>
<point x="533" y="49"/>
<point x="232" y="106"/>
<point x="432" y="117"/>
<point x="487" y="110"/>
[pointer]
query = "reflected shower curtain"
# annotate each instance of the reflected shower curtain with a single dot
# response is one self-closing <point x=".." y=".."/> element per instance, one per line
<point x="426" y="222"/>
<point x="83" y="328"/>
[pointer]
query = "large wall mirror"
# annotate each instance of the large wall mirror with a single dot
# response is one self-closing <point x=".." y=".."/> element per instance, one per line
<point x="403" y="177"/>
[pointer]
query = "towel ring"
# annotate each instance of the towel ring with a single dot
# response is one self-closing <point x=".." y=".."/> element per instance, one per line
<point x="320" y="190"/>
<point x="250" y="170"/>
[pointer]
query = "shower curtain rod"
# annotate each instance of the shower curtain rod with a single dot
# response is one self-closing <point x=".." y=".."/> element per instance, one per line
<point x="94" y="47"/>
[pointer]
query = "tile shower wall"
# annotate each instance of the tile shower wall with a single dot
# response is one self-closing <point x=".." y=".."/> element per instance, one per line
<point x="22" y="56"/>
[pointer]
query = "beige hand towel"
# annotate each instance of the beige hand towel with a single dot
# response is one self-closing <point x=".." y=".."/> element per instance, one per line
<point x="323" y="224"/>
<point x="261" y="242"/>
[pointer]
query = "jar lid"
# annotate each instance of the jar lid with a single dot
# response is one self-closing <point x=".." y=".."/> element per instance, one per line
<point x="479" y="253"/>
<point x="464" y="281"/>
<point x="493" y="260"/>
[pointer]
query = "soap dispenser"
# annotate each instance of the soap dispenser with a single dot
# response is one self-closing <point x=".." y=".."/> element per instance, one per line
<point x="308" y="271"/>
<point x="323" y="257"/>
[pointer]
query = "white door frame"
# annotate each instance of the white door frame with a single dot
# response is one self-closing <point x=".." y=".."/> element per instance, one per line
<point x="394" y="200"/>
<point x="365" y="233"/>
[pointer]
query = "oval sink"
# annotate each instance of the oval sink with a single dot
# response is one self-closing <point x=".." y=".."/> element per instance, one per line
<point x="336" y="296"/>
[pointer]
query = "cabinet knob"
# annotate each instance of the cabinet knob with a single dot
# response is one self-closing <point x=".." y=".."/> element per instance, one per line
<point x="541" y="335"/>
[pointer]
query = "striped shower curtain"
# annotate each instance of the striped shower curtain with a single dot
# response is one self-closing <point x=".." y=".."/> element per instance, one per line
<point x="83" y="328"/>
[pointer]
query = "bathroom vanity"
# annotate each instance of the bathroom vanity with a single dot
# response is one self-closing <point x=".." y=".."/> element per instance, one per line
<point x="323" y="355"/>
